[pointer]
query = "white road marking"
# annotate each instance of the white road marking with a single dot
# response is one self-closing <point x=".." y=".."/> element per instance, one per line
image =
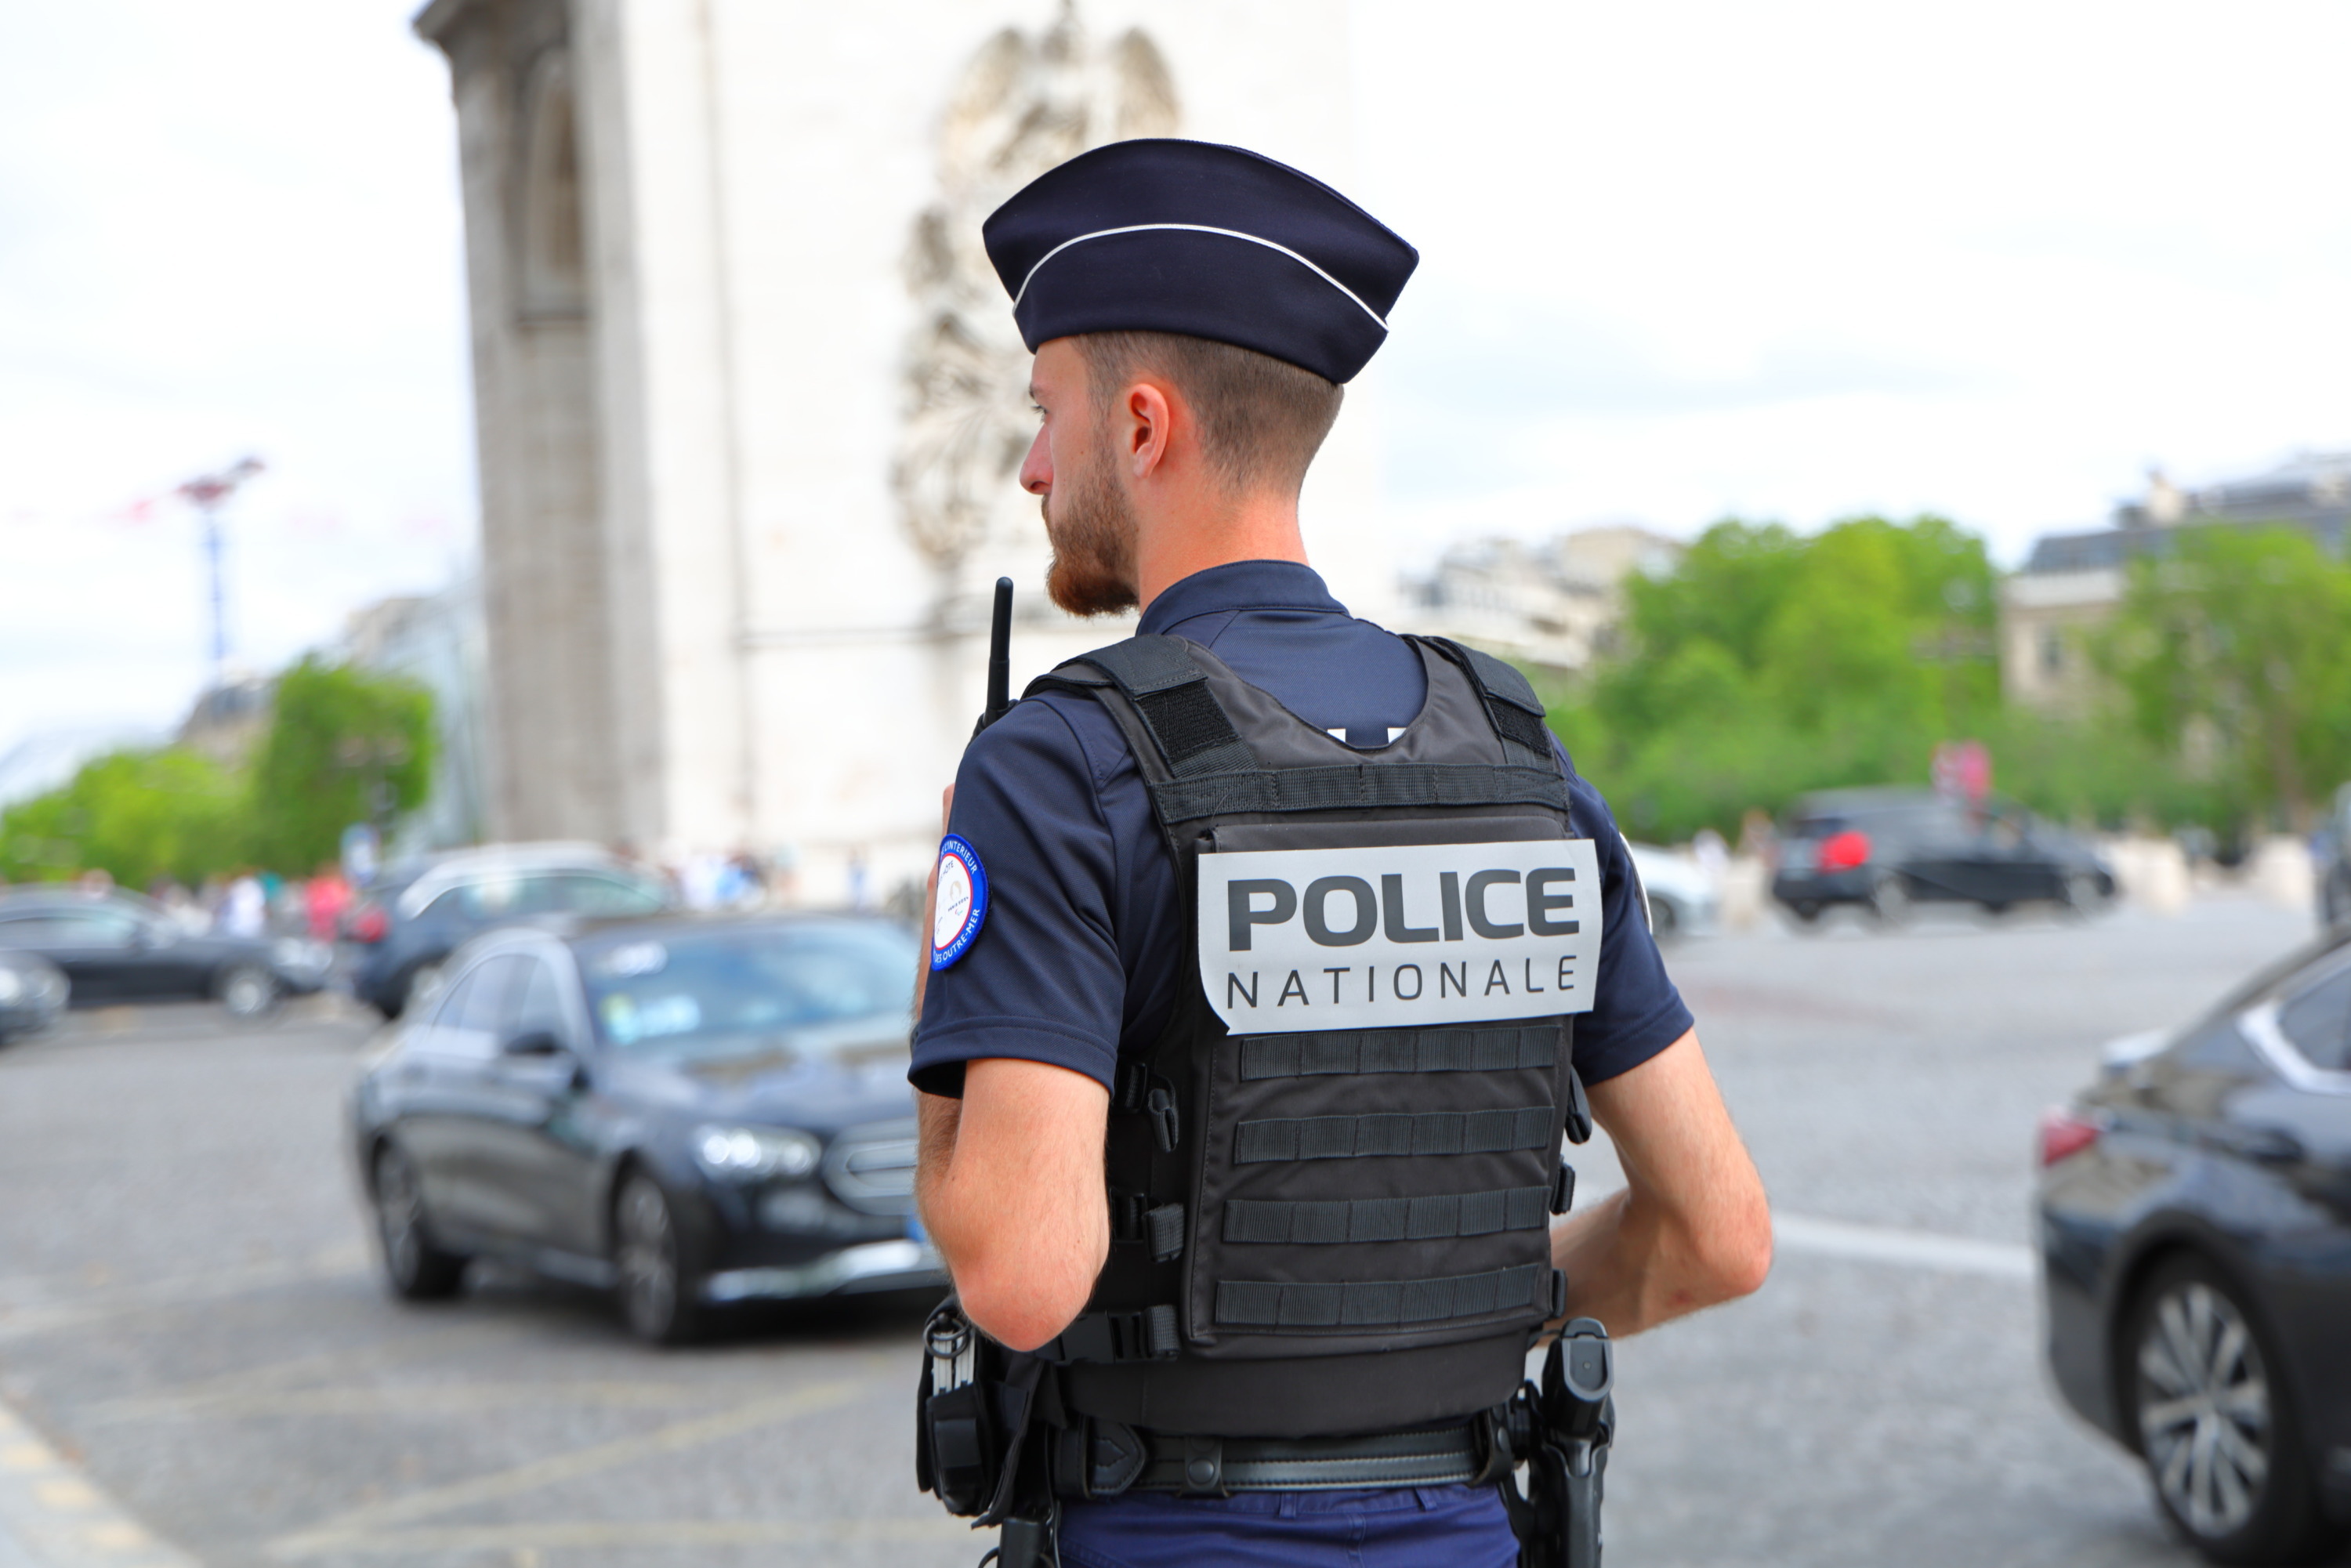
<point x="430" y="1400"/>
<point x="336" y="1533"/>
<point x="52" y="1515"/>
<point x="25" y="1320"/>
<point x="657" y="1534"/>
<point x="1910" y="1249"/>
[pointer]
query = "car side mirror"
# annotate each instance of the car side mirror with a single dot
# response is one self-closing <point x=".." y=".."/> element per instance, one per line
<point x="533" y="1042"/>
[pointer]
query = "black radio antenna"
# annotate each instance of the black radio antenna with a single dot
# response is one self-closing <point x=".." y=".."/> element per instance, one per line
<point x="999" y="657"/>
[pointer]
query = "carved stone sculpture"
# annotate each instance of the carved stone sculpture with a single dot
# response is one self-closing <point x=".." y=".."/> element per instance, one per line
<point x="1023" y="105"/>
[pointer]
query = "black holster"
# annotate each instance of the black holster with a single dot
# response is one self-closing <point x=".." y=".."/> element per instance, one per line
<point x="1561" y="1432"/>
<point x="981" y="1420"/>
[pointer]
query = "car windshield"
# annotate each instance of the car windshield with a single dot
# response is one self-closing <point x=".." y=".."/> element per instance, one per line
<point x="682" y="990"/>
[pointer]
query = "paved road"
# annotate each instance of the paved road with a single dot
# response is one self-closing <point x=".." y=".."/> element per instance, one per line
<point x="203" y="1367"/>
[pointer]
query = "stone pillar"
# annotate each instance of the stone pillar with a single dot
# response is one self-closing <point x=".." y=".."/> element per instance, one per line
<point x="545" y="554"/>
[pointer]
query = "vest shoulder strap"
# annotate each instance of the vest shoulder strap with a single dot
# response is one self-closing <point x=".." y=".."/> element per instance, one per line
<point x="1517" y="713"/>
<point x="1169" y="691"/>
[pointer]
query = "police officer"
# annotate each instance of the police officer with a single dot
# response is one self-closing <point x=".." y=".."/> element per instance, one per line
<point x="1272" y="951"/>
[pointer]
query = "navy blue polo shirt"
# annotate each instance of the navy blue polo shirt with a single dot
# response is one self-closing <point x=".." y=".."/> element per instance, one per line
<point x="1084" y="945"/>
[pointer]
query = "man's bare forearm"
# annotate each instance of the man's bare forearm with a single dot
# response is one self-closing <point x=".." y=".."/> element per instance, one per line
<point x="1691" y="1229"/>
<point x="1009" y="1181"/>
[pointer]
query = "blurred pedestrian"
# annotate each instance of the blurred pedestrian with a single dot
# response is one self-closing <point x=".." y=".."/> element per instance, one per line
<point x="324" y="899"/>
<point x="1713" y="857"/>
<point x="245" y="909"/>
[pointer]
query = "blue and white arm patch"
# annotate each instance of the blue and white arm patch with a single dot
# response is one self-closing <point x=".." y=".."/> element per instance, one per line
<point x="962" y="903"/>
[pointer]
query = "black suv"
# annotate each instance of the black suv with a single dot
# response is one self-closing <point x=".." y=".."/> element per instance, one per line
<point x="414" y="917"/>
<point x="1885" y="850"/>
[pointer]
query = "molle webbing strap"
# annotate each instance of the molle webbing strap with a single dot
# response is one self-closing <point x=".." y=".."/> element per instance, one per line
<point x="1397" y="1050"/>
<point x="1339" y="1221"/>
<point x="1378" y="1304"/>
<point x="1357" y="786"/>
<point x="1371" y="1138"/>
<point x="1171" y="694"/>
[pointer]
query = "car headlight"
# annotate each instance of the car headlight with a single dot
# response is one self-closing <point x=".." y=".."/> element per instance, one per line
<point x="12" y="985"/>
<point x="746" y="1154"/>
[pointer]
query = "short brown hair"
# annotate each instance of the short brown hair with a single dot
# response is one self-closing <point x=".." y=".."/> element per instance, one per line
<point x="1261" y="419"/>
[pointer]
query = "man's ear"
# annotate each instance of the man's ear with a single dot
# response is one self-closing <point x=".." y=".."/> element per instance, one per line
<point x="1150" y="422"/>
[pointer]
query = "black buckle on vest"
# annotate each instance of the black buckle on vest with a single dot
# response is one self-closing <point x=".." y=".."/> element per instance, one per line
<point x="1563" y="1189"/>
<point x="1150" y="1334"/>
<point x="1135" y="1089"/>
<point x="1578" y="1120"/>
<point x="1133" y="1218"/>
<point x="1130" y="1084"/>
<point x="1166" y="1124"/>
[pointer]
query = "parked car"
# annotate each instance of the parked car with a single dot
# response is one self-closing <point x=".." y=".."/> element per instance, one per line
<point x="1885" y="850"/>
<point x="690" y="1110"/>
<point x="2334" y="863"/>
<point x="1681" y="900"/>
<point x="2195" y="1234"/>
<point x="412" y="920"/>
<point x="116" y="947"/>
<point x="32" y="992"/>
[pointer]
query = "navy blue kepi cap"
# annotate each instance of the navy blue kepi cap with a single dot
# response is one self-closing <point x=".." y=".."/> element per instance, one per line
<point x="1213" y="242"/>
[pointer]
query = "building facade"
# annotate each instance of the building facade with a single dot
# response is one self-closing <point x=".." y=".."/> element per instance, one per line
<point x="750" y="404"/>
<point x="2073" y="584"/>
<point x="1557" y="604"/>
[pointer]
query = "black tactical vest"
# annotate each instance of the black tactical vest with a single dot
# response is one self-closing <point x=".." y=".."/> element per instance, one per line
<point x="1332" y="1177"/>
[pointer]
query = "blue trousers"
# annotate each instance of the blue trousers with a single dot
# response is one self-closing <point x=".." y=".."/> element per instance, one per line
<point x="1400" y="1526"/>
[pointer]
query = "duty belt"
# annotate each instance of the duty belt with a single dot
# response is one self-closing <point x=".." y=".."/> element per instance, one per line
<point x="1097" y="1459"/>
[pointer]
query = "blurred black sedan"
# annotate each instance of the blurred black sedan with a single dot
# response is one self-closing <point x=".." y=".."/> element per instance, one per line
<point x="2195" y="1228"/>
<point x="32" y="994"/>
<point x="415" y="916"/>
<point x="1885" y="850"/>
<point x="690" y="1112"/>
<point x="116" y="947"/>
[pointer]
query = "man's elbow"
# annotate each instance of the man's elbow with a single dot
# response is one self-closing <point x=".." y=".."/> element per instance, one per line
<point x="1020" y="1304"/>
<point x="1736" y="1257"/>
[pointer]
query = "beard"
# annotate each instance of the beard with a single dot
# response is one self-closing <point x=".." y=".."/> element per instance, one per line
<point x="1092" y="526"/>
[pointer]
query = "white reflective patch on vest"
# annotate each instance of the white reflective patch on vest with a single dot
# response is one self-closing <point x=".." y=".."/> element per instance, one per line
<point x="1399" y="937"/>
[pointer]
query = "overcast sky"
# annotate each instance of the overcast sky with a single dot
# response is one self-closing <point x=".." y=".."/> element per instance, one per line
<point x="1791" y="261"/>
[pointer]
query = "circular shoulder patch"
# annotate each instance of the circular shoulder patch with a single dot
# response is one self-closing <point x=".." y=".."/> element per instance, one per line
<point x="962" y="901"/>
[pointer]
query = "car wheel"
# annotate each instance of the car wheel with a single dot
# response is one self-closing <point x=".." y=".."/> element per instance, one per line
<point x="423" y="985"/>
<point x="2081" y="895"/>
<point x="1665" y="917"/>
<point x="2214" y="1419"/>
<point x="416" y="1267"/>
<point x="655" y="1285"/>
<point x="247" y="991"/>
<point x="1806" y="912"/>
<point x="1889" y="900"/>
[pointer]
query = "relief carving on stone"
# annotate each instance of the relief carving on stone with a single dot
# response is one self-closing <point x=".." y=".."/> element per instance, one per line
<point x="1023" y="105"/>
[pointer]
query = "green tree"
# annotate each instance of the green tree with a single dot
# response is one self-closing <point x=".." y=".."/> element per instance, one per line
<point x="2239" y="641"/>
<point x="135" y="815"/>
<point x="1768" y="663"/>
<point x="344" y="747"/>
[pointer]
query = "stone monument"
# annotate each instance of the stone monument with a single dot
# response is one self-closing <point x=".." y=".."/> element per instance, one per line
<point x="750" y="403"/>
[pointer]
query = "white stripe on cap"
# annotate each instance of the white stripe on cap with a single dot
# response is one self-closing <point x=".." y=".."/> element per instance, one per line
<point x="1198" y="229"/>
